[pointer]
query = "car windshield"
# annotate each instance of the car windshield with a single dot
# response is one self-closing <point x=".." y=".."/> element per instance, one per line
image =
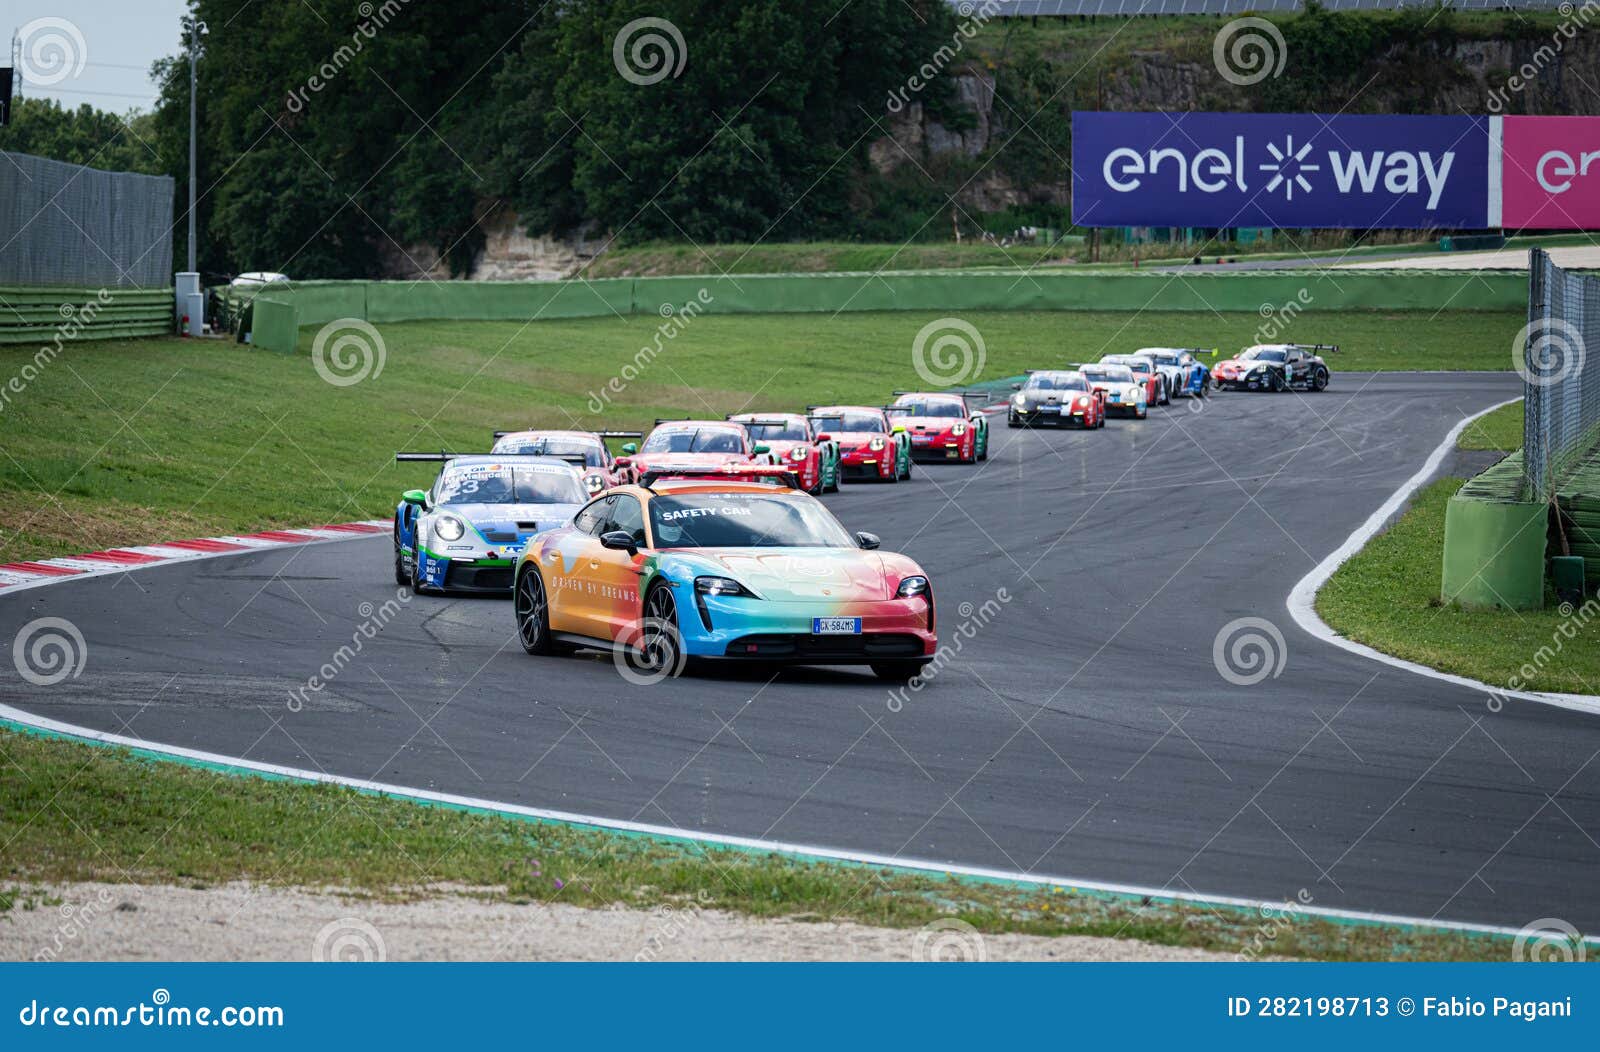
<point x="744" y="520"/>
<point x="1134" y="365"/>
<point x="694" y="440"/>
<point x="508" y="484"/>
<point x="848" y="420"/>
<point x="1164" y="359"/>
<point x="929" y="407"/>
<point x="777" y="431"/>
<point x="1055" y="382"/>
<point x="591" y="452"/>
<point x="1264" y="354"/>
<point x="1110" y="374"/>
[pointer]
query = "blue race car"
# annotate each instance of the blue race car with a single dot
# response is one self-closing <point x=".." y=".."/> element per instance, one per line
<point x="465" y="533"/>
<point x="1182" y="370"/>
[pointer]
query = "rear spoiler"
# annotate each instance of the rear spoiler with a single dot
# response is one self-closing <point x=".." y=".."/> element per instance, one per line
<point x="1318" y="347"/>
<point x="602" y="434"/>
<point x="759" y="422"/>
<point x="429" y="458"/>
<point x="671" y="419"/>
<point x="726" y="473"/>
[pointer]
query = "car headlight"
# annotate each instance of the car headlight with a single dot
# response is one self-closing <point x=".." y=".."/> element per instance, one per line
<point x="1019" y="399"/>
<point x="449" y="528"/>
<point x="878" y="442"/>
<point x="594" y="484"/>
<point x="722" y="586"/>
<point x="798" y="453"/>
<point x="911" y="587"/>
<point x="958" y="429"/>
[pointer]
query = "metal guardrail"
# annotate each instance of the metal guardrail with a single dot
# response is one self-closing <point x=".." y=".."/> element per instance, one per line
<point x="1561" y="407"/>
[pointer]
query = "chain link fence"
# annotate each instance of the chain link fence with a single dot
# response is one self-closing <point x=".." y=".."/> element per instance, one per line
<point x="1561" y="410"/>
<point x="64" y="224"/>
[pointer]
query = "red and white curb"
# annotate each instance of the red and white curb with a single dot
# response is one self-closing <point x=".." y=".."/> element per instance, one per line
<point x="31" y="574"/>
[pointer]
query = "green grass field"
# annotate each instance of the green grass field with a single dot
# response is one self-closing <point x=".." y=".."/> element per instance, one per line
<point x="1500" y="430"/>
<point x="134" y="441"/>
<point x="77" y="812"/>
<point x="1388" y="597"/>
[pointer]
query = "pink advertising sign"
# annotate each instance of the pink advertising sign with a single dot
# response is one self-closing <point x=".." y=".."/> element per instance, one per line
<point x="1550" y="175"/>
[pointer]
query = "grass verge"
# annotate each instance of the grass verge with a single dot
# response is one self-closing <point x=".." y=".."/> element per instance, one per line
<point x="1500" y="430"/>
<point x="77" y="812"/>
<point x="1388" y="598"/>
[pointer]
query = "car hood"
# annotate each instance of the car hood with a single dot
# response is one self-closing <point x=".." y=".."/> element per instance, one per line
<point x="669" y="461"/>
<point x="509" y="518"/>
<point x="801" y="574"/>
<point x="1033" y="398"/>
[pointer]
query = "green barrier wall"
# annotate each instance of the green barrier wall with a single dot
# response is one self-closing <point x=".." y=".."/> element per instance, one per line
<point x="274" y="326"/>
<point x="319" y="302"/>
<point x="1494" y="542"/>
<point x="39" y="315"/>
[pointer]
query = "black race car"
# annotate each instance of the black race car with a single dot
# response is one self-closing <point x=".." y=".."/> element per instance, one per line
<point x="1275" y="367"/>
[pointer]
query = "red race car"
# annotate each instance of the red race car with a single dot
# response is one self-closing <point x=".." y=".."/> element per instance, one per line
<point x="870" y="447"/>
<point x="797" y="443"/>
<point x="1057" y="398"/>
<point x="1144" y="372"/>
<point x="941" y="426"/>
<point x="689" y="443"/>
<point x="601" y="471"/>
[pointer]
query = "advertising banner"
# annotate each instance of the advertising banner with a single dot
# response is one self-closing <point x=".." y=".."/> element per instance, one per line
<point x="1280" y="170"/>
<point x="1551" y="173"/>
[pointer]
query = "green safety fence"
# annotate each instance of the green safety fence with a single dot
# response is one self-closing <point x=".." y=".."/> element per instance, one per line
<point x="1494" y="541"/>
<point x="319" y="302"/>
<point x="43" y="315"/>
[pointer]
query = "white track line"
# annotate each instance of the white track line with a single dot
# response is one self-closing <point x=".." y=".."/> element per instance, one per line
<point x="1302" y="601"/>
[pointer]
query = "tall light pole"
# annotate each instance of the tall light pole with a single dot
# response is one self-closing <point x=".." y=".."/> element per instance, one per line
<point x="196" y="31"/>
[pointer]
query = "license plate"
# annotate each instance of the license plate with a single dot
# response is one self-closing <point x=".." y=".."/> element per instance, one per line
<point x="836" y="626"/>
<point x="921" y="440"/>
<point x="1049" y="409"/>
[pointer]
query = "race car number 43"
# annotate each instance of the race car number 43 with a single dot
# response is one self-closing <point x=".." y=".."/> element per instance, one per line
<point x="836" y="626"/>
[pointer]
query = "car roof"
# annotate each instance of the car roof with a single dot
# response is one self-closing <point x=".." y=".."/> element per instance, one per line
<point x="821" y="409"/>
<point x="929" y="396"/>
<point x="671" y="424"/>
<point x="543" y="432"/>
<point x="531" y="459"/>
<point x="1056" y="373"/>
<point x="745" y="418"/>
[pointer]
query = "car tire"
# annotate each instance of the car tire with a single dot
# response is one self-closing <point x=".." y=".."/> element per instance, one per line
<point x="1319" y="380"/>
<point x="896" y="671"/>
<point x="983" y="445"/>
<point x="401" y="577"/>
<point x="532" y="612"/>
<point x="660" y="606"/>
<point x="1166" y="393"/>
<point x="416" y="575"/>
<point x="1013" y="422"/>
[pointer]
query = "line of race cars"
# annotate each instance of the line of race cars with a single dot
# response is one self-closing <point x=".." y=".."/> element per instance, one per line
<point x="705" y="540"/>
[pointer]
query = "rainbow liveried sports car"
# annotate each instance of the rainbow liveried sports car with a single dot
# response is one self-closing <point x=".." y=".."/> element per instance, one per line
<point x="795" y="441"/>
<point x="870" y="447"/>
<point x="698" y="568"/>
<point x="600" y="470"/>
<point x="464" y="533"/>
<point x="940" y="425"/>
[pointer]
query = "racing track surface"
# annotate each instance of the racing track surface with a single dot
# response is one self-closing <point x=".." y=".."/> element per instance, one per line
<point x="1083" y="732"/>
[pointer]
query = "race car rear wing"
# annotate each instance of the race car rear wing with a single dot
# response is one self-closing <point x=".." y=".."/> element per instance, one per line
<point x="601" y="434"/>
<point x="431" y="458"/>
<point x="726" y="473"/>
<point x="1317" y="348"/>
<point x="761" y="423"/>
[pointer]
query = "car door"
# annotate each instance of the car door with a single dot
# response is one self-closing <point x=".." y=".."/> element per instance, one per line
<point x="568" y="571"/>
<point x="614" y="573"/>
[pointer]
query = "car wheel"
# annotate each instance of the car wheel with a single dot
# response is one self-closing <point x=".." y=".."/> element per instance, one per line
<point x="908" y="468"/>
<point x="820" y="487"/>
<point x="533" y="615"/>
<point x="1012" y="421"/>
<point x="896" y="671"/>
<point x="660" y="639"/>
<point x="983" y="444"/>
<point x="1166" y="395"/>
<point x="833" y="478"/>
<point x="1278" y="385"/>
<point x="416" y="574"/>
<point x="401" y="576"/>
<point x="1319" y="380"/>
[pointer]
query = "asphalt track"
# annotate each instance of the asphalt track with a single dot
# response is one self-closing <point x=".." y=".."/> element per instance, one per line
<point x="1084" y="731"/>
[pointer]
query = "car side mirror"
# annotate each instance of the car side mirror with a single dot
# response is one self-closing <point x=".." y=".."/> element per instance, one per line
<point x="869" y="541"/>
<point x="1016" y="387"/>
<point x="619" y="540"/>
<point x="623" y="462"/>
<point x="763" y="448"/>
<point x="630" y="448"/>
<point x="897" y="430"/>
<point x="415" y="496"/>
<point x="824" y="438"/>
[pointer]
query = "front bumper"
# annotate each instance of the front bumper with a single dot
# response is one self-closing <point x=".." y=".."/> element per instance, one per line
<point x="945" y="446"/>
<point x="1037" y="418"/>
<point x="740" y="628"/>
<point x="480" y="575"/>
<point x="857" y="464"/>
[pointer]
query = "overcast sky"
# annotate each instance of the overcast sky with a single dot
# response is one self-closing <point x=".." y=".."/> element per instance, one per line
<point x="94" y="51"/>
